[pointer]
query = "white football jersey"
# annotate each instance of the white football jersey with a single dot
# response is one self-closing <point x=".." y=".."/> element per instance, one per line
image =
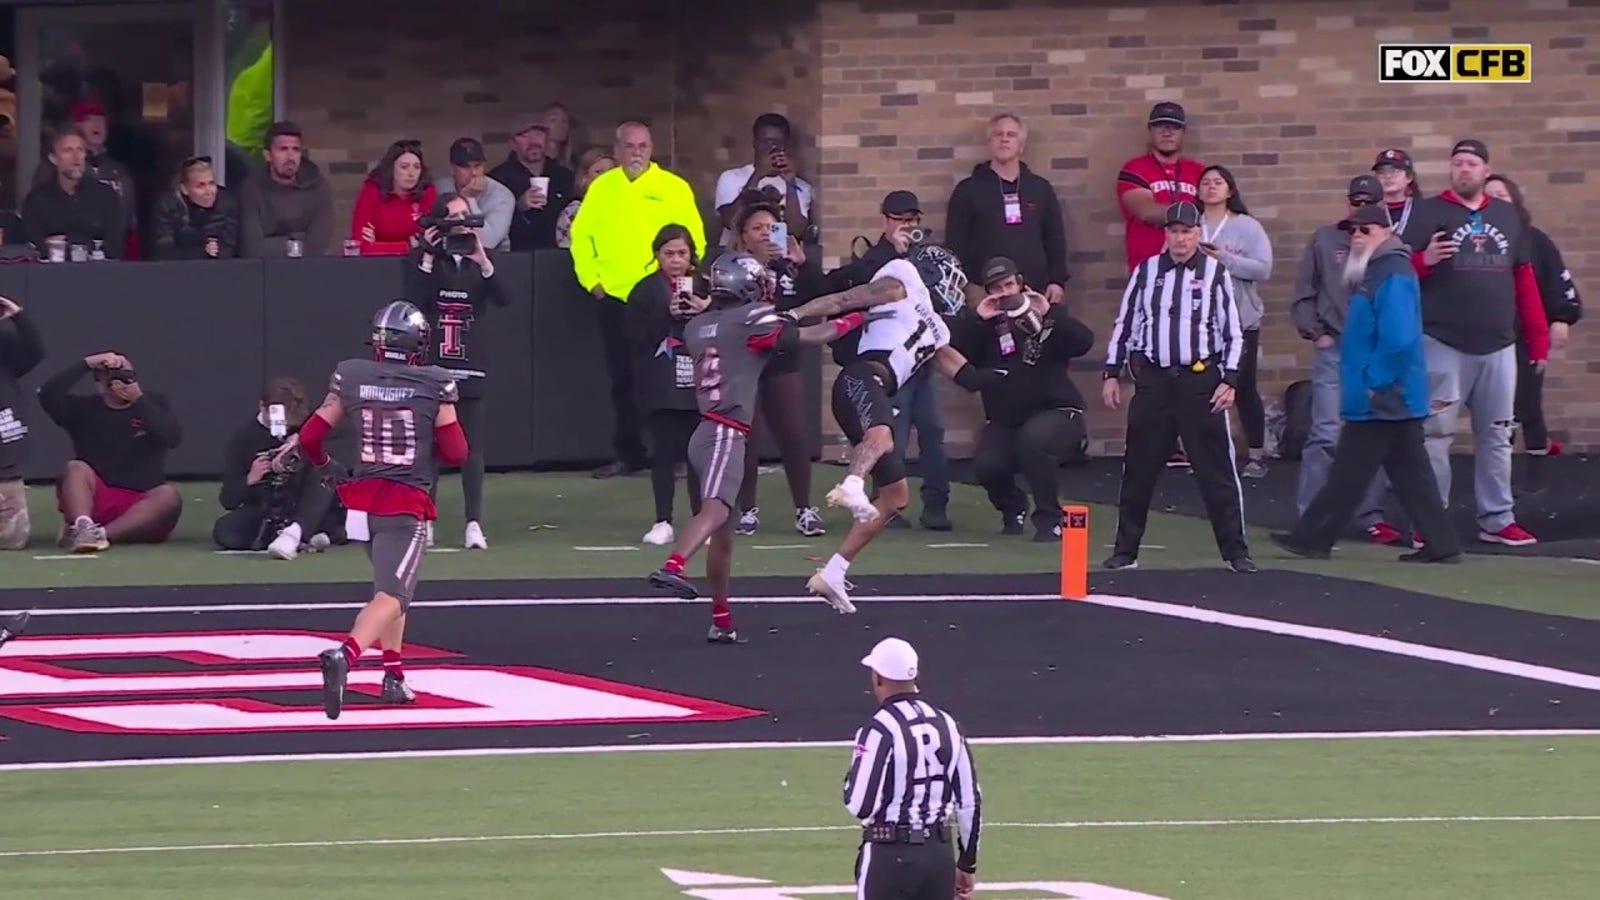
<point x="913" y="332"/>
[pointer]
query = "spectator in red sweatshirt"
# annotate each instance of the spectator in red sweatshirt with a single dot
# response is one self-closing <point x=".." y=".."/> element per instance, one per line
<point x="396" y="193"/>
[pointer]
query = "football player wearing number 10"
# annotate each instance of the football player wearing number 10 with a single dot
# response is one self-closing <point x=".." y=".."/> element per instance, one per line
<point x="405" y="420"/>
<point x="902" y="336"/>
<point x="731" y="342"/>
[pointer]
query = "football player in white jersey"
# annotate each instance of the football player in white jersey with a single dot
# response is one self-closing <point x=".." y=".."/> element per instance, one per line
<point x="912" y="295"/>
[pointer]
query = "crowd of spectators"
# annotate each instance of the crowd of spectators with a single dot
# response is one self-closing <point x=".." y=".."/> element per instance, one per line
<point x="1494" y="296"/>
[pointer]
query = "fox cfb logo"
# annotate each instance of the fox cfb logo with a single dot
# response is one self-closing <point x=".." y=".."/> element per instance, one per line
<point x="1455" y="63"/>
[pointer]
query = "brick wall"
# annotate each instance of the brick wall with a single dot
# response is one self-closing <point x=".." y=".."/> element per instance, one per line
<point x="888" y="93"/>
<point x="362" y="73"/>
<point x="1284" y="93"/>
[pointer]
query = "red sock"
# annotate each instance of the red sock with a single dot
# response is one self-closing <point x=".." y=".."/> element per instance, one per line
<point x="675" y="564"/>
<point x="352" y="650"/>
<point x="391" y="664"/>
<point x="721" y="615"/>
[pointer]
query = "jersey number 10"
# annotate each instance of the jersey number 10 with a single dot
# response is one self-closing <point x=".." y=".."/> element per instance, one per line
<point x="388" y="437"/>
<point x="920" y="350"/>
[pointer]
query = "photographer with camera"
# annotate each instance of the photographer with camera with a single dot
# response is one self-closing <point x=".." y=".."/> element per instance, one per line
<point x="113" y="490"/>
<point x="1035" y="417"/>
<point x="21" y="348"/>
<point x="450" y="278"/>
<point x="277" y="508"/>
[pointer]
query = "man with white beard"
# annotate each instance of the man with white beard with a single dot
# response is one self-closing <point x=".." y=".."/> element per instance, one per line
<point x="1320" y="299"/>
<point x="1472" y="254"/>
<point x="1383" y="398"/>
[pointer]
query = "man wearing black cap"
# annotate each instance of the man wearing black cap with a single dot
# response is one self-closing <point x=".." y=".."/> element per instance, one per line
<point x="293" y="201"/>
<point x="1035" y="419"/>
<point x="1155" y="179"/>
<point x="1473" y="255"/>
<point x="485" y="196"/>
<point x="1321" y="300"/>
<point x="541" y="185"/>
<point x="1383" y="398"/>
<point x="1177" y="333"/>
<point x="1397" y="175"/>
<point x="1005" y="209"/>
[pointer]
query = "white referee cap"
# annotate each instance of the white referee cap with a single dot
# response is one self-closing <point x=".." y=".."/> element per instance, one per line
<point x="893" y="659"/>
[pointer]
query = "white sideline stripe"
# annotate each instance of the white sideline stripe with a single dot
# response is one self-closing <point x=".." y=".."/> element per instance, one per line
<point x="792" y="829"/>
<point x="1047" y="740"/>
<point x="1459" y="658"/>
<point x="780" y="546"/>
<point x="513" y="601"/>
<point x="54" y="556"/>
<point x="603" y="549"/>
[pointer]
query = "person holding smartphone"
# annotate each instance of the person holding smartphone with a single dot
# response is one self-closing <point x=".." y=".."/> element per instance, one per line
<point x="1230" y="235"/>
<point x="772" y="170"/>
<point x="658" y="308"/>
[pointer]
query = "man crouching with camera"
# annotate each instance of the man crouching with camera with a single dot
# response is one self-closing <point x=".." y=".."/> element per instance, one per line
<point x="278" y="507"/>
<point x="1035" y="417"/>
<point x="450" y="277"/>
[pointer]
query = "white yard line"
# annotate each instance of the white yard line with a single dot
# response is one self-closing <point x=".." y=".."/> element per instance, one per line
<point x="795" y="829"/>
<point x="576" y="750"/>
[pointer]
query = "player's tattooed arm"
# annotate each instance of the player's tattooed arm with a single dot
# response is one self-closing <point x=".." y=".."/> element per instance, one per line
<point x="865" y="296"/>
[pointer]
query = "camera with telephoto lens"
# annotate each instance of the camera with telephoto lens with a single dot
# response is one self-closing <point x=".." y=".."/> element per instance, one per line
<point x="919" y="235"/>
<point x="459" y="240"/>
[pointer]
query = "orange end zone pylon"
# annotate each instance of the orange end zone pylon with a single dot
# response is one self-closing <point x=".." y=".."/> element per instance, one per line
<point x="1074" y="552"/>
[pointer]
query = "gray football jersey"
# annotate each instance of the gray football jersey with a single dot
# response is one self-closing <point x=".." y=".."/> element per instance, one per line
<point x="727" y="369"/>
<point x="392" y="408"/>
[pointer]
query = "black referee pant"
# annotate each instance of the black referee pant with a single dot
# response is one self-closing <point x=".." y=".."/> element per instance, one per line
<point x="1397" y="447"/>
<point x="1168" y="404"/>
<point x="906" y="871"/>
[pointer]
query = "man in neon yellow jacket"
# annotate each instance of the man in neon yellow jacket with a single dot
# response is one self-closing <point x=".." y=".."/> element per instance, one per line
<point x="612" y="234"/>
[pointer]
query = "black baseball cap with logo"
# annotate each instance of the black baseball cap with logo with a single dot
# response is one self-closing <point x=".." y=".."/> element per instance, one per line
<point x="1474" y="146"/>
<point x="466" y="151"/>
<point x="1371" y="214"/>
<point x="1394" y="157"/>
<point x="901" y="203"/>
<point x="1183" y="213"/>
<point x="997" y="268"/>
<point x="1365" y="186"/>
<point x="1168" y="113"/>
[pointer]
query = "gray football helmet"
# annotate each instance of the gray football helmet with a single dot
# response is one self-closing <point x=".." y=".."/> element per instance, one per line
<point x="740" y="278"/>
<point x="400" y="333"/>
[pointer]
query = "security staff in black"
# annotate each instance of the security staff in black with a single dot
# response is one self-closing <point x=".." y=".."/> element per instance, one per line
<point x="1177" y="333"/>
<point x="912" y="769"/>
<point x="1034" y="420"/>
<point x="455" y="292"/>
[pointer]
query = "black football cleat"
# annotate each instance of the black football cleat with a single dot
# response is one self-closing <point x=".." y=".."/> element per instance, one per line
<point x="1243" y="565"/>
<point x="680" y="586"/>
<point x="335" y="672"/>
<point x="1119" y="561"/>
<point x="720" y="635"/>
<point x="1423" y="556"/>
<point x="13" y="628"/>
<point x="396" y="691"/>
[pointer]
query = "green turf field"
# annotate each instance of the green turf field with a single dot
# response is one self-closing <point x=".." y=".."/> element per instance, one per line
<point x="1224" y="820"/>
<point x="536" y="521"/>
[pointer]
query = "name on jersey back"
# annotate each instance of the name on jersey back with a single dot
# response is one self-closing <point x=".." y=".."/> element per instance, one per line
<point x="385" y="394"/>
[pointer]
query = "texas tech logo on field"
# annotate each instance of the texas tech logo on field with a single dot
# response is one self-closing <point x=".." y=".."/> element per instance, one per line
<point x="242" y="682"/>
<point x="1455" y="62"/>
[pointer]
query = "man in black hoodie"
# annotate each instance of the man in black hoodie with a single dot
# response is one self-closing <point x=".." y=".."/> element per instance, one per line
<point x="539" y="203"/>
<point x="1035" y="418"/>
<point x="1003" y="209"/>
<point x="20" y="350"/>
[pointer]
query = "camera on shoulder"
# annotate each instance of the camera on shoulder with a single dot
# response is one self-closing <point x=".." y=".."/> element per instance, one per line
<point x="459" y="239"/>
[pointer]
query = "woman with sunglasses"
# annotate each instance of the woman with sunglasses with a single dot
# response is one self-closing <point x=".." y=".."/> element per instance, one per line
<point x="1231" y="236"/>
<point x="395" y="195"/>
<point x="197" y="219"/>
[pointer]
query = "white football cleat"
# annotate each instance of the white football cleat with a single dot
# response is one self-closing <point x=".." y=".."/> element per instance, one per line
<point x="320" y="542"/>
<point x="660" y="534"/>
<point x="851" y="494"/>
<point x="832" y="589"/>
<point x="474" y="539"/>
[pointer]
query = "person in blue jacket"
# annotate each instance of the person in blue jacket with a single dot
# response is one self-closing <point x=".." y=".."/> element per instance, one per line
<point x="1383" y="399"/>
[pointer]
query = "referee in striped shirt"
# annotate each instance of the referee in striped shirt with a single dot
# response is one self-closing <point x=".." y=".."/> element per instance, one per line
<point x="911" y="766"/>
<point x="1178" y="336"/>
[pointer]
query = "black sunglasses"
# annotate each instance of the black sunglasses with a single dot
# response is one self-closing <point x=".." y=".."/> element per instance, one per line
<point x="1362" y="200"/>
<point x="193" y="161"/>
